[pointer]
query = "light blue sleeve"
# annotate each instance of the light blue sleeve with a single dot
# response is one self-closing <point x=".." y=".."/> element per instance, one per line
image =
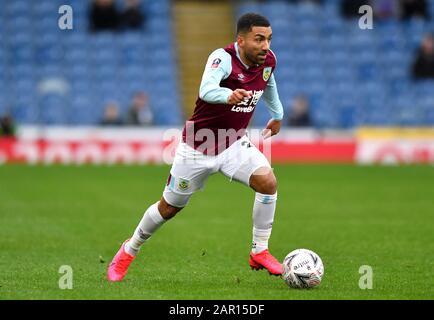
<point x="271" y="98"/>
<point x="210" y="90"/>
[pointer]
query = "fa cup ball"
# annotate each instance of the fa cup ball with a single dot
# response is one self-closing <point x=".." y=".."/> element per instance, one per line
<point x="302" y="268"/>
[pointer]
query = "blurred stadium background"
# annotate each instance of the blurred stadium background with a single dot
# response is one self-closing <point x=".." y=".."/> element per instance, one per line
<point x="350" y="77"/>
<point x="53" y="80"/>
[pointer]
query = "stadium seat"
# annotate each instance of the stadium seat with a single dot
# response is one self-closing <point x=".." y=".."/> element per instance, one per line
<point x="93" y="65"/>
<point x="352" y="77"/>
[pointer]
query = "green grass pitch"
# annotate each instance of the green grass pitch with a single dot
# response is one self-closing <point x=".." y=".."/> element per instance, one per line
<point x="350" y="215"/>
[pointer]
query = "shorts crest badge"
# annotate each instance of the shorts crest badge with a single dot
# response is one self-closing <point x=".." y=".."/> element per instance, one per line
<point x="183" y="184"/>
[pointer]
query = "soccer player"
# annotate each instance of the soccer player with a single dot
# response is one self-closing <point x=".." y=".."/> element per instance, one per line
<point x="233" y="81"/>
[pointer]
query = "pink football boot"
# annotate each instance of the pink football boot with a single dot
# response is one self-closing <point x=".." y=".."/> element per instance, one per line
<point x="265" y="260"/>
<point x="118" y="268"/>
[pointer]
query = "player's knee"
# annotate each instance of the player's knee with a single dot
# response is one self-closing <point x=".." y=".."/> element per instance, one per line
<point x="269" y="186"/>
<point x="265" y="184"/>
<point x="167" y="211"/>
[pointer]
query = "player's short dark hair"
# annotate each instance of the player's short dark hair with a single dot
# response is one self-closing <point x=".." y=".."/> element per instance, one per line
<point x="249" y="20"/>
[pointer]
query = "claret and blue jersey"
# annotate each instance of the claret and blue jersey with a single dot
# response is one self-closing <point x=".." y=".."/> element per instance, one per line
<point x="224" y="73"/>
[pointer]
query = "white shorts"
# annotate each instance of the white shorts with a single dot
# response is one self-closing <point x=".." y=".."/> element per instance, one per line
<point x="191" y="169"/>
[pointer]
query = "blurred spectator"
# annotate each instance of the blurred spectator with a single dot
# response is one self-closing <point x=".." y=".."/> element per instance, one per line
<point x="139" y="112"/>
<point x="423" y="67"/>
<point x="299" y="113"/>
<point x="385" y="9"/>
<point x="413" y="8"/>
<point x="111" y="115"/>
<point x="103" y="16"/>
<point x="350" y="8"/>
<point x="7" y="126"/>
<point x="132" y="17"/>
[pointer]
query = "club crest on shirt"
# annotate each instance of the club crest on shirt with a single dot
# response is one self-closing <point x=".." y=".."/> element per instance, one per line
<point x="266" y="74"/>
<point x="216" y="63"/>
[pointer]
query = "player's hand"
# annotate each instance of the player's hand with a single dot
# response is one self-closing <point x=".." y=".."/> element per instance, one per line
<point x="273" y="128"/>
<point x="239" y="95"/>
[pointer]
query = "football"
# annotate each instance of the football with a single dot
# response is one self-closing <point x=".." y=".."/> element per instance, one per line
<point x="302" y="268"/>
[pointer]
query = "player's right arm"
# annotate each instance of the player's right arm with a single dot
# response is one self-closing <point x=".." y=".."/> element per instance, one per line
<point x="218" y="68"/>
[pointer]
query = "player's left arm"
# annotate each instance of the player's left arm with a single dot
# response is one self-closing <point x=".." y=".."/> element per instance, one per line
<point x="275" y="108"/>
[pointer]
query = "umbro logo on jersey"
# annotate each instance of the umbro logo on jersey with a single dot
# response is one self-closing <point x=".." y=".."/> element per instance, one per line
<point x="241" y="77"/>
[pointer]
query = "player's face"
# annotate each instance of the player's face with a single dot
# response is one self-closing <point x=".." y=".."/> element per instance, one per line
<point x="255" y="44"/>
